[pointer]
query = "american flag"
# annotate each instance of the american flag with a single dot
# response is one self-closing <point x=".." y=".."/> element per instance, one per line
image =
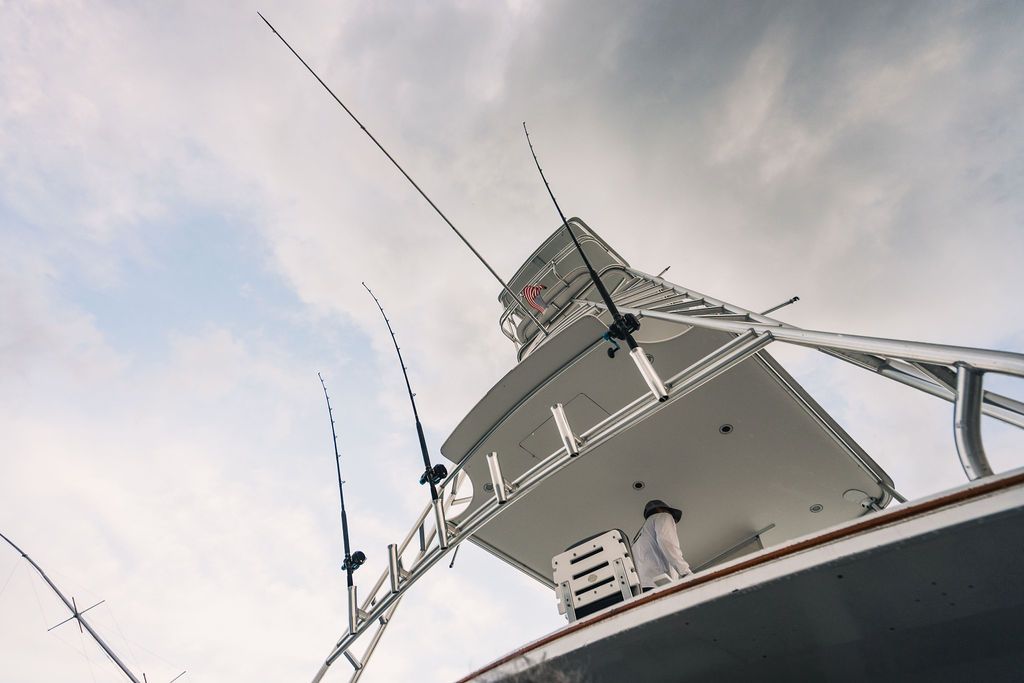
<point x="534" y="298"/>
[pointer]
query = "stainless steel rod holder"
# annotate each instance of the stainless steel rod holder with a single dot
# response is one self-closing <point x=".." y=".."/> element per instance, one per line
<point x="569" y="439"/>
<point x="497" y="481"/>
<point x="649" y="374"/>
<point x="394" y="568"/>
<point x="967" y="422"/>
<point x="442" y="525"/>
<point x="353" y="610"/>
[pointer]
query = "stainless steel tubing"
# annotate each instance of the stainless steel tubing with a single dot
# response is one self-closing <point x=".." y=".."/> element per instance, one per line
<point x="720" y="360"/>
<point x="594" y="437"/>
<point x="394" y="571"/>
<point x="442" y="525"/>
<point x="650" y="375"/>
<point x="995" y="405"/>
<point x="353" y="660"/>
<point x="967" y="422"/>
<point x="981" y="359"/>
<point x="353" y="610"/>
<point x="569" y="440"/>
<point x="497" y="481"/>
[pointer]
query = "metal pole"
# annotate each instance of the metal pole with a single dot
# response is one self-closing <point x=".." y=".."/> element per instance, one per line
<point x="442" y="524"/>
<point x="967" y="422"/>
<point x="394" y="570"/>
<point x="1005" y="362"/>
<point x="497" y="480"/>
<point x="353" y="610"/>
<point x="569" y="440"/>
<point x="76" y="614"/>
<point x="778" y="306"/>
<point x="647" y="371"/>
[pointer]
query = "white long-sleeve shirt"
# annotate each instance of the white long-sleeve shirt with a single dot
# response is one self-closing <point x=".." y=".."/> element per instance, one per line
<point x="657" y="551"/>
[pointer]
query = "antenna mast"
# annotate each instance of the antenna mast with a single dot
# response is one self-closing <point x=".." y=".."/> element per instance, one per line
<point x="76" y="614"/>
<point x="504" y="285"/>
<point x="431" y="475"/>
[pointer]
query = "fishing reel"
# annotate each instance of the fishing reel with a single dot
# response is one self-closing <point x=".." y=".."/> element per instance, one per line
<point x="624" y="326"/>
<point x="435" y="475"/>
<point x="354" y="562"/>
<point x="621" y="329"/>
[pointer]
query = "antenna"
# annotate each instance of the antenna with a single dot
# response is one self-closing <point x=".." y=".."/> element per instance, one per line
<point x="504" y="285"/>
<point x="431" y="475"/>
<point x="622" y="326"/>
<point x="76" y="614"/>
<point x="352" y="560"/>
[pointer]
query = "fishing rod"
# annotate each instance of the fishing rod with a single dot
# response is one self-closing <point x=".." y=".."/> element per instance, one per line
<point x="77" y="614"/>
<point x="622" y="326"/>
<point x="352" y="560"/>
<point x="504" y="285"/>
<point x="431" y="475"/>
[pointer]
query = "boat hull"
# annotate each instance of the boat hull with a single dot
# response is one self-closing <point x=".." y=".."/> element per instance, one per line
<point x="926" y="591"/>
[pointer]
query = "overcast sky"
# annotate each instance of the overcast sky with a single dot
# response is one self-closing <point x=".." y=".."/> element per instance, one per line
<point x="185" y="218"/>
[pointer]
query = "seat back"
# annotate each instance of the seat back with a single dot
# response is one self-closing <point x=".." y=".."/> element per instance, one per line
<point x="594" y="573"/>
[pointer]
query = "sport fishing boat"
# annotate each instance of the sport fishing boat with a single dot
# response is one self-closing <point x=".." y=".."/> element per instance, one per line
<point x="628" y="388"/>
<point x="802" y="568"/>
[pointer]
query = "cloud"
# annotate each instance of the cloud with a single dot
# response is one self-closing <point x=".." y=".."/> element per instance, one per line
<point x="865" y="157"/>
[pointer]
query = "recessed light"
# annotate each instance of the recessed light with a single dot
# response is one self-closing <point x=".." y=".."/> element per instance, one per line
<point x="817" y="507"/>
<point x="637" y="485"/>
<point x="725" y="429"/>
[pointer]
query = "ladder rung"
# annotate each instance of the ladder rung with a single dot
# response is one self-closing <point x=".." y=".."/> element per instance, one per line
<point x="353" y="660"/>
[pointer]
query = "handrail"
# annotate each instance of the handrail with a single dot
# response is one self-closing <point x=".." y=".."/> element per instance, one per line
<point x="1005" y="362"/>
<point x="647" y="404"/>
<point x="968" y="394"/>
<point x="551" y="268"/>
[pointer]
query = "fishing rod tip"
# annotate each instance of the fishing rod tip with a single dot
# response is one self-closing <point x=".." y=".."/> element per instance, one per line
<point x="266" y="21"/>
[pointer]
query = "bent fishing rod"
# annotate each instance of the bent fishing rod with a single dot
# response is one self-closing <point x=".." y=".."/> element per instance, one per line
<point x="77" y="614"/>
<point x="431" y="475"/>
<point x="504" y="285"/>
<point x="352" y="560"/>
<point x="622" y="326"/>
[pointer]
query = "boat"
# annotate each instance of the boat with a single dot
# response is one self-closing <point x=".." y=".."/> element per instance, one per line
<point x="804" y="567"/>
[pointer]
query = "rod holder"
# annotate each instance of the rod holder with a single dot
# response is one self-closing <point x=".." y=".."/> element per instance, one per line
<point x="569" y="440"/>
<point x="967" y="422"/>
<point x="394" y="567"/>
<point x="649" y="374"/>
<point x="498" y="481"/>
<point x="442" y="525"/>
<point x="353" y="610"/>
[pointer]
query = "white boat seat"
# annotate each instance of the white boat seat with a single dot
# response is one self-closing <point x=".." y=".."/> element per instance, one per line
<point x="594" y="573"/>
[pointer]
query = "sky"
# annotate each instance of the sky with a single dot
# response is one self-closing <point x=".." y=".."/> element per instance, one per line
<point x="185" y="218"/>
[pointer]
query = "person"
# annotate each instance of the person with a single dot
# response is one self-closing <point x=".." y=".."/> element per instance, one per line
<point x="656" y="549"/>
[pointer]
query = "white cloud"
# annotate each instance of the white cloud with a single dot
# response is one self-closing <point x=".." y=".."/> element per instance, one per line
<point x="874" y="171"/>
